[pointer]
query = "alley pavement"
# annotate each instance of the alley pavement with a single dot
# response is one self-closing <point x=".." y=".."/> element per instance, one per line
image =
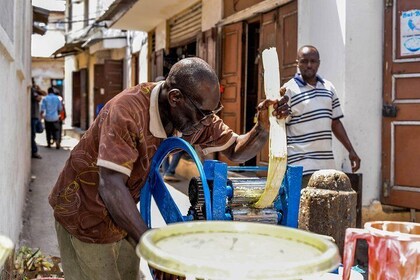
<point x="38" y="229"/>
<point x="38" y="222"/>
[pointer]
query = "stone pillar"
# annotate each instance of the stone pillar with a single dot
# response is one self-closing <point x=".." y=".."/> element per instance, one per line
<point x="328" y="205"/>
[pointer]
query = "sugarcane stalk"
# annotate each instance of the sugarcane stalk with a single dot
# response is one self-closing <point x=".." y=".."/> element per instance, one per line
<point x="277" y="138"/>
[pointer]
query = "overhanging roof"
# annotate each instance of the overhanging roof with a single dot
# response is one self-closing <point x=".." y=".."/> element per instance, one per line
<point x="69" y="49"/>
<point x="144" y="15"/>
<point x="39" y="15"/>
<point x="117" y="9"/>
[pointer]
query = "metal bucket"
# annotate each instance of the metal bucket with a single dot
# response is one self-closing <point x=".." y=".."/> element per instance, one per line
<point x="236" y="250"/>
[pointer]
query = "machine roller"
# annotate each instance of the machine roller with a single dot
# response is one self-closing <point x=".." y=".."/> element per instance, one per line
<point x="215" y="196"/>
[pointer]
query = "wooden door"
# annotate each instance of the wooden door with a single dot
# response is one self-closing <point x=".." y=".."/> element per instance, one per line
<point x="99" y="85"/>
<point x="135" y="69"/>
<point x="108" y="82"/>
<point x="80" y="99"/>
<point x="401" y="101"/>
<point x="278" y="29"/>
<point x="84" y="100"/>
<point x="206" y="46"/>
<point x="157" y="64"/>
<point x="231" y="79"/>
<point x="114" y="77"/>
<point x="76" y="98"/>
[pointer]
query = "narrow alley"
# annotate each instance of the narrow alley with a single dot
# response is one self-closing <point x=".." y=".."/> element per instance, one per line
<point x="38" y="223"/>
<point x="38" y="229"/>
<point x="341" y="158"/>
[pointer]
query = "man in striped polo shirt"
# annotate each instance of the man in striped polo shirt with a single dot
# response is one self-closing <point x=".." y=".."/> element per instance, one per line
<point x="315" y="116"/>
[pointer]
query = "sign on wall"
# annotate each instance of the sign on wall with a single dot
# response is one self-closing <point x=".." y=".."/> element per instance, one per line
<point x="410" y="33"/>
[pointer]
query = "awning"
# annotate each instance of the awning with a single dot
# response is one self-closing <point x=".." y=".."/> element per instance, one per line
<point x="69" y="49"/>
<point x="117" y="9"/>
<point x="40" y="14"/>
<point x="40" y="20"/>
<point x="144" y="15"/>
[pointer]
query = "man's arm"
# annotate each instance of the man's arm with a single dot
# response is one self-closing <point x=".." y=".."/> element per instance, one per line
<point x="119" y="203"/>
<point x="249" y="144"/>
<point x="39" y="90"/>
<point x="43" y="109"/>
<point x="340" y="132"/>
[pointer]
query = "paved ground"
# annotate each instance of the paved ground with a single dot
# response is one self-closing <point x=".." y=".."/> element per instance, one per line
<point x="38" y="227"/>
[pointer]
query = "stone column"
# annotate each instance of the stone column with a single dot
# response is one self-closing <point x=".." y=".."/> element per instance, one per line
<point x="328" y="205"/>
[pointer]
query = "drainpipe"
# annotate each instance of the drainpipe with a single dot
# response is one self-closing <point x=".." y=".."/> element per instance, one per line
<point x="127" y="60"/>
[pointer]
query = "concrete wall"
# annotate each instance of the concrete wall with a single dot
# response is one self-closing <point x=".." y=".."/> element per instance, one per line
<point x="143" y="63"/>
<point x="161" y="33"/>
<point x="45" y="69"/>
<point x="349" y="36"/>
<point x="69" y="66"/>
<point x="211" y="13"/>
<point x="15" y="81"/>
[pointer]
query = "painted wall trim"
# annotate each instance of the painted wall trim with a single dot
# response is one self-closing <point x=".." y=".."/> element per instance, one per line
<point x="6" y="45"/>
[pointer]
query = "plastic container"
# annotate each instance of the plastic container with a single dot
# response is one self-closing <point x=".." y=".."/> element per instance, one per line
<point x="394" y="250"/>
<point x="237" y="250"/>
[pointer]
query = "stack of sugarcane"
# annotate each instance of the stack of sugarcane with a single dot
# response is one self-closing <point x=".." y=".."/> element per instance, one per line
<point x="30" y="260"/>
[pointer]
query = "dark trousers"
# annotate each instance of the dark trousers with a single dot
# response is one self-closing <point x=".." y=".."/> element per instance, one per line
<point x="34" y="147"/>
<point x="52" y="130"/>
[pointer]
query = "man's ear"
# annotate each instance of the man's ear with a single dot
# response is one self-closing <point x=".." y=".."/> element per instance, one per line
<point x="174" y="97"/>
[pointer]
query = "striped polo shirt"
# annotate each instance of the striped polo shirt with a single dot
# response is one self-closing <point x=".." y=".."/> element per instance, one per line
<point x="309" y="134"/>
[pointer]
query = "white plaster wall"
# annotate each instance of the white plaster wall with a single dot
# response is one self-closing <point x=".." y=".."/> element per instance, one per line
<point x="211" y="13"/>
<point x="161" y="33"/>
<point x="143" y="63"/>
<point x="15" y="149"/>
<point x="69" y="66"/>
<point x="348" y="35"/>
<point x="363" y="89"/>
<point x="138" y="40"/>
<point x="45" y="69"/>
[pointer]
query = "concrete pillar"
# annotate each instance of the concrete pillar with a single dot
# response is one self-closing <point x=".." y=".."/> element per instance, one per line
<point x="328" y="205"/>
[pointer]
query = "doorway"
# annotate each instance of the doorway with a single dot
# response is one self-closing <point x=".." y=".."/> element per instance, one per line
<point x="176" y="54"/>
<point x="241" y="75"/>
<point x="251" y="78"/>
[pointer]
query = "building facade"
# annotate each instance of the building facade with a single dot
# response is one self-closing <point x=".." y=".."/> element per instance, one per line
<point x="15" y="81"/>
<point x="362" y="52"/>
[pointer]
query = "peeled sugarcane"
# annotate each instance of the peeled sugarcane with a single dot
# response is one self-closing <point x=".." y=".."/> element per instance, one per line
<point x="277" y="140"/>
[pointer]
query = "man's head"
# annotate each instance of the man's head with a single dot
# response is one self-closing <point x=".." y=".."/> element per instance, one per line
<point x="51" y="90"/>
<point x="193" y="94"/>
<point x="308" y="62"/>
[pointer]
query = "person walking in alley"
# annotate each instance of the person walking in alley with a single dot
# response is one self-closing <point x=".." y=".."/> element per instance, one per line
<point x="94" y="199"/>
<point x="50" y="110"/>
<point x="315" y="116"/>
<point x="62" y="115"/>
<point x="36" y="97"/>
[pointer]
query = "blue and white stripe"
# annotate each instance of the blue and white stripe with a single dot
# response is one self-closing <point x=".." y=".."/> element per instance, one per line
<point x="309" y="134"/>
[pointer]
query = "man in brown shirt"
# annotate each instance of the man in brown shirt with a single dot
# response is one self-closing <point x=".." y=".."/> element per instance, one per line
<point x="94" y="199"/>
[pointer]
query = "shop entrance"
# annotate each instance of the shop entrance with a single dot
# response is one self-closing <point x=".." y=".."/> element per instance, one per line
<point x="176" y="54"/>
